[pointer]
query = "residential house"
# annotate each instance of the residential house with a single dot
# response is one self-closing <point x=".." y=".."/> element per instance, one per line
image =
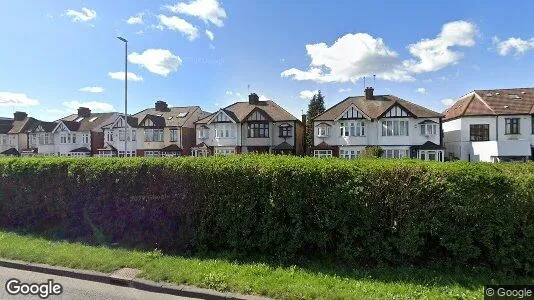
<point x="491" y="125"/>
<point x="401" y="128"/>
<point x="14" y="133"/>
<point x="167" y="131"/>
<point x="253" y="126"/>
<point x="41" y="140"/>
<point x="80" y="134"/>
<point x="119" y="135"/>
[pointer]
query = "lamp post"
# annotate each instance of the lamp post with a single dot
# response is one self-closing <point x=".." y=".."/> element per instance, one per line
<point x="125" y="91"/>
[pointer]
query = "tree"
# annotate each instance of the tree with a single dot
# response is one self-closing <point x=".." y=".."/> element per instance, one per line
<point x="315" y="108"/>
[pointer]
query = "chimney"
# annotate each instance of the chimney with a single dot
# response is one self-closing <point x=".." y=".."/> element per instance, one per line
<point x="19" y="116"/>
<point x="253" y="99"/>
<point x="161" y="105"/>
<point x="369" y="93"/>
<point x="84" y="112"/>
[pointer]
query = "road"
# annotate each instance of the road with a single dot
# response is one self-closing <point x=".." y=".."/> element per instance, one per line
<point x="76" y="288"/>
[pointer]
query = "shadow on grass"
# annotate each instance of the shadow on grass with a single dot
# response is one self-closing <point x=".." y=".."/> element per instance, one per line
<point x="427" y="275"/>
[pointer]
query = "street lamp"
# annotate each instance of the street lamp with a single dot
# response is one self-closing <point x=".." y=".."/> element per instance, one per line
<point x="125" y="91"/>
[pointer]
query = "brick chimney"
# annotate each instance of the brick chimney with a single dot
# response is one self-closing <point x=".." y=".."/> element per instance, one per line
<point x="369" y="93"/>
<point x="84" y="112"/>
<point x="253" y="99"/>
<point x="161" y="106"/>
<point x="19" y="116"/>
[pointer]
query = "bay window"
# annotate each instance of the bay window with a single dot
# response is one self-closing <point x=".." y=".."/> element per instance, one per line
<point x="394" y="128"/>
<point x="258" y="130"/>
<point x="429" y="129"/>
<point x="323" y="130"/>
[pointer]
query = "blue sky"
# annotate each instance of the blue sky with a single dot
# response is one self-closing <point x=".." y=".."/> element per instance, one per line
<point x="58" y="55"/>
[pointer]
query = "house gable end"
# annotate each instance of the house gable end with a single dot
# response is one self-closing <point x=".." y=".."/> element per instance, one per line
<point x="397" y="111"/>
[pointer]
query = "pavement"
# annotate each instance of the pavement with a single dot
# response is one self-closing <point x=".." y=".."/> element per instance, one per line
<point x="77" y="288"/>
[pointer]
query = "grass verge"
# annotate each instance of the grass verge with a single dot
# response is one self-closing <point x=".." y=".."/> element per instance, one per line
<point x="259" y="278"/>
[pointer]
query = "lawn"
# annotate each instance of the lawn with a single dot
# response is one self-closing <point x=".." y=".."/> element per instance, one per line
<point x="259" y="278"/>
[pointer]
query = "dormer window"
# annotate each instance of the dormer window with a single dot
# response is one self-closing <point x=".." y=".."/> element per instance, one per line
<point x="323" y="130"/>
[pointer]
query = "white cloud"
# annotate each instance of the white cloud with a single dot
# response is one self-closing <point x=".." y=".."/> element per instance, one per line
<point x="354" y="56"/>
<point x="85" y="15"/>
<point x="177" y="24"/>
<point x="92" y="89"/>
<point x="136" y="19"/>
<point x="229" y="93"/>
<point x="16" y="99"/>
<point x="351" y="57"/>
<point x="421" y="90"/>
<point x="517" y="45"/>
<point x="94" y="106"/>
<point x="447" y="102"/>
<point x="157" y="61"/>
<point x="140" y="32"/>
<point x="210" y="35"/>
<point x="307" y="94"/>
<point x="344" y="90"/>
<point x="435" y="54"/>
<point x="120" y="76"/>
<point x="206" y="10"/>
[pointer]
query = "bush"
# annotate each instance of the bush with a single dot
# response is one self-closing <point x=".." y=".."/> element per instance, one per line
<point x="372" y="152"/>
<point x="361" y="212"/>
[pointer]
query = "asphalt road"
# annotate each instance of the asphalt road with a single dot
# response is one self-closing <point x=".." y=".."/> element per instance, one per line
<point x="75" y="288"/>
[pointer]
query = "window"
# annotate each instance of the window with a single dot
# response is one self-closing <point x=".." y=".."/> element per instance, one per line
<point x="258" y="130"/>
<point x="199" y="152"/>
<point x="121" y="135"/>
<point x="394" y="128"/>
<point x="223" y="131"/>
<point x="203" y="133"/>
<point x="349" y="154"/>
<point x="74" y="138"/>
<point x="322" y="153"/>
<point x="511" y="126"/>
<point x="152" y="153"/>
<point x="48" y="139"/>
<point x="436" y="155"/>
<point x="153" y="135"/>
<point x="429" y="129"/>
<point x="479" y="132"/>
<point x="133" y="135"/>
<point x="285" y="130"/>
<point x="323" y="131"/>
<point x="63" y="138"/>
<point x="109" y="136"/>
<point x="33" y="139"/>
<point x="173" y="135"/>
<point x="3" y="140"/>
<point x="224" y="151"/>
<point x="85" y="138"/>
<point x="352" y="129"/>
<point x="396" y="153"/>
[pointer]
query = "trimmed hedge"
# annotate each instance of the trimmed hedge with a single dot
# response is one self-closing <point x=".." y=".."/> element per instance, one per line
<point x="361" y="212"/>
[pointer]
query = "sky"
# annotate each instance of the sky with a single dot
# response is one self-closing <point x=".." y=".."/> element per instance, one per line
<point x="58" y="55"/>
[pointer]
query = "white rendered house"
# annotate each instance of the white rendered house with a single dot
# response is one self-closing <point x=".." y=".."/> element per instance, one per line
<point x="401" y="128"/>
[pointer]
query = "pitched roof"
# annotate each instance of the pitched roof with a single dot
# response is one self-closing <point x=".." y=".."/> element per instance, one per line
<point x="92" y="123"/>
<point x="171" y="148"/>
<point x="81" y="149"/>
<point x="172" y="116"/>
<point x="376" y="107"/>
<point x="283" y="146"/>
<point x="23" y="126"/>
<point x="493" y="102"/>
<point x="239" y="111"/>
<point x="11" y="151"/>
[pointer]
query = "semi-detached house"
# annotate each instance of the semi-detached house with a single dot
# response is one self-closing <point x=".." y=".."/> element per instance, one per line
<point x="491" y="125"/>
<point x="253" y="126"/>
<point x="401" y="128"/>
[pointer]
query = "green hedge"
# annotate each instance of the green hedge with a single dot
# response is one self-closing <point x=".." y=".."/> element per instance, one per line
<point x="361" y="212"/>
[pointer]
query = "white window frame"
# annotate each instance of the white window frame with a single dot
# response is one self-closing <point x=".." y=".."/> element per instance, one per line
<point x="322" y="153"/>
<point x="349" y="153"/>
<point x="173" y="135"/>
<point x="395" y="128"/>
<point x="396" y="153"/>
<point x="429" y="129"/>
<point x="323" y="131"/>
<point x="225" y="152"/>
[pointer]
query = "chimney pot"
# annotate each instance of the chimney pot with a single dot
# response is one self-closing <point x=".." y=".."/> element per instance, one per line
<point x="253" y="98"/>
<point x="84" y="112"/>
<point x="369" y="93"/>
<point x="161" y="105"/>
<point x="19" y="116"/>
